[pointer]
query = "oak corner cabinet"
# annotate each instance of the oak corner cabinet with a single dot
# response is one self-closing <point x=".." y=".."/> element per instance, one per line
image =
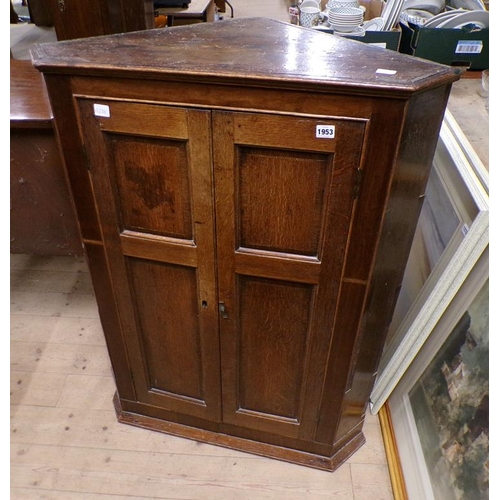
<point x="247" y="193"/>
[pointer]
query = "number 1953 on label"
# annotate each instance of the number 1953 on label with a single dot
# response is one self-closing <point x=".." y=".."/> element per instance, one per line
<point x="325" y="131"/>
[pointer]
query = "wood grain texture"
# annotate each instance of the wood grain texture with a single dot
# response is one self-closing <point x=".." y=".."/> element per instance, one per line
<point x="167" y="312"/>
<point x="295" y="248"/>
<point x="75" y="162"/>
<point x="153" y="196"/>
<point x="167" y="318"/>
<point x="97" y="457"/>
<point x="271" y="366"/>
<point x="411" y="170"/>
<point x="73" y="19"/>
<point x="287" y="217"/>
<point x="342" y="453"/>
<point x="186" y="52"/>
<point x="42" y="217"/>
<point x="286" y="196"/>
<point x="29" y="102"/>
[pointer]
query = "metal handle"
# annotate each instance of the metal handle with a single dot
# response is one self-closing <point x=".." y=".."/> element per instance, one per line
<point x="62" y="5"/>
<point x="222" y="310"/>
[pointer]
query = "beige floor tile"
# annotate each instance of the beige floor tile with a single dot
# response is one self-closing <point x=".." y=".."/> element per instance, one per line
<point x="161" y="475"/>
<point x="87" y="392"/>
<point x="48" y="263"/>
<point x="32" y="388"/>
<point x="372" y="452"/>
<point x="60" y="330"/>
<point x="60" y="358"/>
<point x="371" y="482"/>
<point x="50" y="281"/>
<point x="76" y="305"/>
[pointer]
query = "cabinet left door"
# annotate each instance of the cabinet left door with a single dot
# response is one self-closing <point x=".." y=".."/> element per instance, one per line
<point x="151" y="171"/>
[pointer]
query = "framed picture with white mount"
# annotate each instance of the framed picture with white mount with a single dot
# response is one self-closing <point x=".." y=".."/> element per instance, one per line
<point x="440" y="407"/>
<point x="452" y="233"/>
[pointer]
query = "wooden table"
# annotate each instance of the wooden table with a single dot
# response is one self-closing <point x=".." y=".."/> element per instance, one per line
<point x="197" y="11"/>
<point x="42" y="219"/>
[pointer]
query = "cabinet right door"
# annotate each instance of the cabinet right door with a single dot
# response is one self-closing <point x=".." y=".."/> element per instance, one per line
<point x="285" y="198"/>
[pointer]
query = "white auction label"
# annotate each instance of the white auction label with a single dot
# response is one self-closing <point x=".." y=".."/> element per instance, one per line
<point x="382" y="71"/>
<point x="101" y="110"/>
<point x="325" y="131"/>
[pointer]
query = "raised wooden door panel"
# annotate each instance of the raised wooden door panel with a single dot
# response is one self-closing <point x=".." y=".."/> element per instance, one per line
<point x="151" y="172"/>
<point x="284" y="203"/>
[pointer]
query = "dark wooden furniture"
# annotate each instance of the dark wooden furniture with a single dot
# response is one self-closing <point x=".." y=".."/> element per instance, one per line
<point x="198" y="11"/>
<point x="77" y="19"/>
<point x="39" y="13"/>
<point x="42" y="217"/>
<point x="253" y="192"/>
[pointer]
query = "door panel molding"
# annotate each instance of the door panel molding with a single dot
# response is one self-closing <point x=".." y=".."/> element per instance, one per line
<point x="255" y="164"/>
<point x="147" y="268"/>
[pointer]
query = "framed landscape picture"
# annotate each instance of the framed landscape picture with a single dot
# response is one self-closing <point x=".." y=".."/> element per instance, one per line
<point x="440" y="408"/>
<point x="452" y="233"/>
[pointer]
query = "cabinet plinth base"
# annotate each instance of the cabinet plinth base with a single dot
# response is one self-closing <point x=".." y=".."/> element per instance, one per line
<point x="237" y="443"/>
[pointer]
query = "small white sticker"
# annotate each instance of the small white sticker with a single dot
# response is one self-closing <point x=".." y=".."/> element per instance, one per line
<point x="469" y="47"/>
<point x="325" y="131"/>
<point x="382" y="71"/>
<point x="465" y="229"/>
<point x="101" y="110"/>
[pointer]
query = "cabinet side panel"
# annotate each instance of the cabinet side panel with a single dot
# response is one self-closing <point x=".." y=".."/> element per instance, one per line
<point x="71" y="144"/>
<point x="110" y="320"/>
<point x="420" y="134"/>
<point x="382" y="143"/>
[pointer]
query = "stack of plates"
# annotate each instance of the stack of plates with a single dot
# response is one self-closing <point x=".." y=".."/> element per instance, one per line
<point x="345" y="19"/>
<point x="333" y="4"/>
<point x="459" y="18"/>
<point x="436" y="14"/>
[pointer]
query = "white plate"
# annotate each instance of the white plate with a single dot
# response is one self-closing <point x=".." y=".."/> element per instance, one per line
<point x="480" y="18"/>
<point x="342" y="28"/>
<point x="346" y="16"/>
<point x="468" y="4"/>
<point x="358" y="31"/>
<point x="434" y="21"/>
<point x="432" y="6"/>
<point x="374" y="24"/>
<point x="345" y="20"/>
<point x="322" y="27"/>
<point x="342" y="20"/>
<point x="414" y="16"/>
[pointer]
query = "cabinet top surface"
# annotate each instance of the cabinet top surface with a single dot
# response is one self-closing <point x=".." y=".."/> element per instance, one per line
<point x="256" y="50"/>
